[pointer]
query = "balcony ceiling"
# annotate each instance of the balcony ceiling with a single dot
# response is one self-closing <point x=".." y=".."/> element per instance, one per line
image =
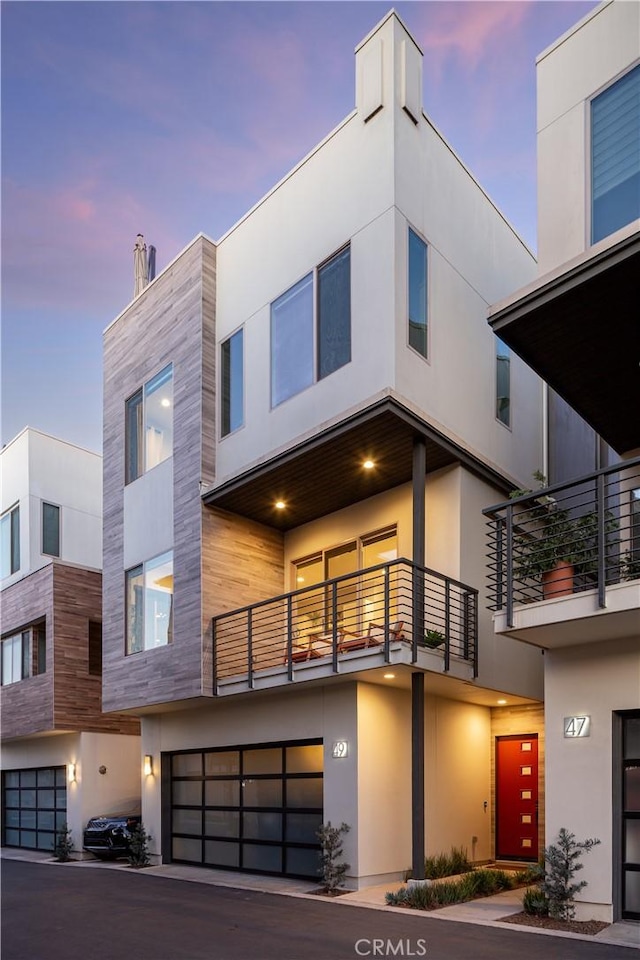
<point x="325" y="473"/>
<point x="581" y="333"/>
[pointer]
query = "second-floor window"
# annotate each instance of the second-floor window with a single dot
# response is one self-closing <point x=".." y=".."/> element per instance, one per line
<point x="232" y="374"/>
<point x="615" y="156"/>
<point x="418" y="294"/>
<point x="149" y="598"/>
<point x="10" y="541"/>
<point x="24" y="654"/>
<point x="308" y="344"/>
<point x="503" y="383"/>
<point x="50" y="530"/>
<point x="149" y="425"/>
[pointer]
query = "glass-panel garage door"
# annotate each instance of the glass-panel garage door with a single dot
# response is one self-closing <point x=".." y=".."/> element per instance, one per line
<point x="34" y="806"/>
<point x="252" y="808"/>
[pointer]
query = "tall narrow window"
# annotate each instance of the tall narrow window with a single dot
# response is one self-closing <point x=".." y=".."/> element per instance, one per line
<point x="615" y="156"/>
<point x="417" y="294"/>
<point x="16" y="657"/>
<point x="334" y="313"/>
<point x="292" y="341"/>
<point x="158" y="418"/>
<point x="635" y="528"/>
<point x="40" y="644"/>
<point x="232" y="373"/>
<point x="50" y="530"/>
<point x="149" y="425"/>
<point x="10" y="541"/>
<point x="134" y="459"/>
<point x="503" y="383"/>
<point x="94" y="648"/>
<point x="149" y="594"/>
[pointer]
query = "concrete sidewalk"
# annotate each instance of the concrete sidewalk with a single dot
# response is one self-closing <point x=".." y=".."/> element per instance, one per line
<point x="487" y="911"/>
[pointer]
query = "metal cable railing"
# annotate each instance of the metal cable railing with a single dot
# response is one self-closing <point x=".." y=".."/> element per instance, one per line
<point x="565" y="539"/>
<point x="373" y="609"/>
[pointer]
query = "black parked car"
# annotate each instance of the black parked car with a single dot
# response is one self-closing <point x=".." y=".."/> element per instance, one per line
<point x="107" y="837"/>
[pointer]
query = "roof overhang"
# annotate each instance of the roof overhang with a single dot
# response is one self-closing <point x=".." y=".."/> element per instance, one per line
<point x="325" y="473"/>
<point x="579" y="329"/>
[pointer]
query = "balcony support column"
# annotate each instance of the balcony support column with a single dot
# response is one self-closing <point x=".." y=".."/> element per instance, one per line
<point x="417" y="678"/>
<point x="417" y="775"/>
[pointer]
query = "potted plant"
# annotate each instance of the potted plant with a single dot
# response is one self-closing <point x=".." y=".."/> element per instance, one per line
<point x="433" y="639"/>
<point x="551" y="546"/>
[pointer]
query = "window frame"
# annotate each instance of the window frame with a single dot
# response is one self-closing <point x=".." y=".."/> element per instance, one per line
<point x="138" y="437"/>
<point x="32" y="653"/>
<point x="497" y="396"/>
<point x="427" y="336"/>
<point x="55" y="506"/>
<point x="315" y="326"/>
<point x="225" y="430"/>
<point x="12" y="516"/>
<point x="589" y="219"/>
<point x="141" y="570"/>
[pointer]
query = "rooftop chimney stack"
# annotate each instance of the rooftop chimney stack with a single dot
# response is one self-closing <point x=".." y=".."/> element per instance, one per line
<point x="140" y="266"/>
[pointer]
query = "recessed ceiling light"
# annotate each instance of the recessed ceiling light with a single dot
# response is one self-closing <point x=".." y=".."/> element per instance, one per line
<point x="389" y="676"/>
<point x="300" y="579"/>
<point x="165" y="402"/>
<point x="280" y="504"/>
<point x="368" y="464"/>
<point x="501" y="703"/>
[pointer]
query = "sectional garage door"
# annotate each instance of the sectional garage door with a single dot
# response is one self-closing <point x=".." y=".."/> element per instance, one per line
<point x="34" y="806"/>
<point x="254" y="808"/>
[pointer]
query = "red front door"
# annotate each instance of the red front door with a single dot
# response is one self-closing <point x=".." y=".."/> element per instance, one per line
<point x="517" y="797"/>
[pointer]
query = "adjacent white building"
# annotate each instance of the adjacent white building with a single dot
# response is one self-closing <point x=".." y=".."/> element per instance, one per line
<point x="63" y="760"/>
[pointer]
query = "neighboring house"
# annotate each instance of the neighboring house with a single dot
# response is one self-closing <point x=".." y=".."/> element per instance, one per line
<point x="55" y="738"/>
<point x="302" y="423"/>
<point x="578" y="326"/>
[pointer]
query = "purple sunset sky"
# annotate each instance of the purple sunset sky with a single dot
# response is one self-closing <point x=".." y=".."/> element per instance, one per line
<point x="172" y="118"/>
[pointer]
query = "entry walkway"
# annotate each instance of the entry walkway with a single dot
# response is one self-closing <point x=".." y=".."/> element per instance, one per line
<point x="487" y="911"/>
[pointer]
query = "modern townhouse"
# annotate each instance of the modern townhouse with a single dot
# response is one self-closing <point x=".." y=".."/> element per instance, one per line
<point x="578" y="326"/>
<point x="302" y="424"/>
<point x="63" y="759"/>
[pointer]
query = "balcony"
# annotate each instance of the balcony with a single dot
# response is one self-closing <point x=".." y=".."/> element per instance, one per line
<point x="395" y="612"/>
<point x="564" y="561"/>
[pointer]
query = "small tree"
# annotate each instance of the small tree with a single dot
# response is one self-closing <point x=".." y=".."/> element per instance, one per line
<point x="561" y="865"/>
<point x="333" y="867"/>
<point x="64" y="844"/>
<point x="139" y="841"/>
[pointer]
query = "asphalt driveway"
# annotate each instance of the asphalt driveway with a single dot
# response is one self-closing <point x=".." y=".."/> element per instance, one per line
<point x="61" y="912"/>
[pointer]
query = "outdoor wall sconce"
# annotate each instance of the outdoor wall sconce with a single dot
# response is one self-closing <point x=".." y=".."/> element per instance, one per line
<point x="148" y="765"/>
<point x="71" y="772"/>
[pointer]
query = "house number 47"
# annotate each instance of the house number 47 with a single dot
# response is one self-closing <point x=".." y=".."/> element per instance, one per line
<point x="577" y="726"/>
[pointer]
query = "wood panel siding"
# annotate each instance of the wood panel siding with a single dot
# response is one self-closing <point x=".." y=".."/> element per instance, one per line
<point x="172" y="321"/>
<point x="242" y="563"/>
<point x="65" y="696"/>
<point x="512" y="721"/>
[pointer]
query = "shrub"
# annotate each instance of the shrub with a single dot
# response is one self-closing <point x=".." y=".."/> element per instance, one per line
<point x="333" y="867"/>
<point x="447" y="864"/>
<point x="535" y="903"/>
<point x="561" y="865"/>
<point x="64" y="844"/>
<point x="139" y="841"/>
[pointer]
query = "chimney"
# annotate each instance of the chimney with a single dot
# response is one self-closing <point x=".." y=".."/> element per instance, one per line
<point x="140" y="267"/>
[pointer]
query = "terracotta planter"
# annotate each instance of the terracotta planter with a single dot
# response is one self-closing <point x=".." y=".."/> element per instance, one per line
<point x="558" y="582"/>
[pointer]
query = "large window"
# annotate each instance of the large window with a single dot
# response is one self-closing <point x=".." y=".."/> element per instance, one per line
<point x="615" y="156"/>
<point x="51" y="530"/>
<point x="503" y="383"/>
<point x="232" y="372"/>
<point x="24" y="654"/>
<point x="294" y="365"/>
<point x="149" y="598"/>
<point x="10" y="541"/>
<point x="149" y="425"/>
<point x="418" y="294"/>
